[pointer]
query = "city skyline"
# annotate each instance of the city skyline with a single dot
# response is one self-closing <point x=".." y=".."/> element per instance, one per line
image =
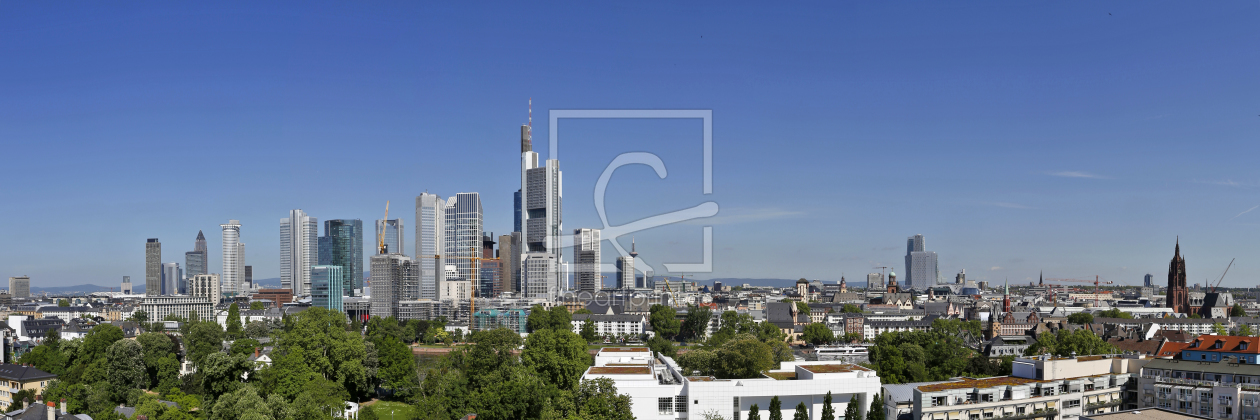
<point x="1015" y="147"/>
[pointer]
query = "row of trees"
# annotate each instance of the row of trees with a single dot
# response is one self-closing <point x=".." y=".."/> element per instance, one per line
<point x="741" y="348"/>
<point x="851" y="412"/>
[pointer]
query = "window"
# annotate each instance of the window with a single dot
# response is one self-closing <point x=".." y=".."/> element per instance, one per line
<point x="986" y="398"/>
<point x="1071" y="403"/>
<point x="938" y="401"/>
<point x="735" y="408"/>
<point x="680" y="404"/>
<point x="1019" y="410"/>
<point x="974" y="417"/>
<point x="665" y="405"/>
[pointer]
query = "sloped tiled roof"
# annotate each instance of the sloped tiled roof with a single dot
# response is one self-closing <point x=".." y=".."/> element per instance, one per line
<point x="21" y="373"/>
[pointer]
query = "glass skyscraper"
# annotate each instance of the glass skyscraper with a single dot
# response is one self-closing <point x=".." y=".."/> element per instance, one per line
<point x="342" y="245"/>
<point x="326" y="287"/>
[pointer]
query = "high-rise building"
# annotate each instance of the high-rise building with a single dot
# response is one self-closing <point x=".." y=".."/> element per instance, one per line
<point x="516" y="207"/>
<point x="20" y="287"/>
<point x="299" y="251"/>
<point x="874" y="281"/>
<point x="393" y="232"/>
<point x="1178" y="297"/>
<point x="541" y="196"/>
<point x="126" y="285"/>
<point x="152" y="268"/>
<point x="961" y="278"/>
<point x="586" y="256"/>
<point x="389" y="273"/>
<point x="491" y="278"/>
<point x="921" y="266"/>
<point x="510" y="262"/>
<point x="195" y="261"/>
<point x="539" y="270"/>
<point x="327" y="283"/>
<point x="232" y="272"/>
<point x="207" y="286"/>
<point x="625" y="270"/>
<point x="248" y="280"/>
<point x="430" y="244"/>
<point x="463" y="235"/>
<point x="1149" y="281"/>
<point x="342" y="245"/>
<point x="172" y="279"/>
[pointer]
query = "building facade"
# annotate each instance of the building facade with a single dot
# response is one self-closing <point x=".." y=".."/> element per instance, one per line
<point x="153" y="267"/>
<point x="342" y="245"/>
<point x="299" y="251"/>
<point x="207" y="286"/>
<point x="430" y="244"/>
<point x="539" y="272"/>
<point x="172" y="280"/>
<point x="159" y="307"/>
<point x="510" y="262"/>
<point x="541" y="196"/>
<point x="389" y="273"/>
<point x="328" y="287"/>
<point x="586" y="258"/>
<point x="1178" y="296"/>
<point x="20" y="287"/>
<point x="463" y="236"/>
<point x="625" y="270"/>
<point x="922" y="270"/>
<point x="195" y="261"/>
<point x="392" y="230"/>
<point x="232" y="272"/>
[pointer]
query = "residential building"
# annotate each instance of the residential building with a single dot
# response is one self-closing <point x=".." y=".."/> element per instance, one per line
<point x="299" y="251"/>
<point x="207" y="286"/>
<point x="195" y="261"/>
<point x="232" y="273"/>
<point x="430" y="244"/>
<point x="872" y="328"/>
<point x="659" y="389"/>
<point x="613" y="325"/>
<point x="342" y="245"/>
<point x="20" y="377"/>
<point x="389" y="273"/>
<point x="392" y="230"/>
<point x="586" y="258"/>
<point x="20" y="287"/>
<point x="158" y="307"/>
<point x="152" y="267"/>
<point x="463" y="236"/>
<point x="327" y="287"/>
<point x="541" y="196"/>
<point x="1220" y="390"/>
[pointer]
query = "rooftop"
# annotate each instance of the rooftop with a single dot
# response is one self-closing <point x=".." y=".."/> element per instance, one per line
<point x="626" y="349"/>
<point x="968" y="383"/>
<point x="834" y="368"/>
<point x="621" y="370"/>
<point x="782" y="376"/>
<point x="1142" y="414"/>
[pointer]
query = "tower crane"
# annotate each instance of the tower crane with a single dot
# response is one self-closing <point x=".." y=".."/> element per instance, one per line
<point x="380" y="233"/>
<point x="1096" y="282"/>
<point x="1218" y="282"/>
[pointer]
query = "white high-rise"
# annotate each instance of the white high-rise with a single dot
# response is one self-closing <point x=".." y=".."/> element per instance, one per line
<point x="625" y="269"/>
<point x="299" y="251"/>
<point x="463" y="236"/>
<point x="233" y="269"/>
<point x="430" y="232"/>
<point x="586" y="272"/>
<point x="541" y="194"/>
<point x="921" y="265"/>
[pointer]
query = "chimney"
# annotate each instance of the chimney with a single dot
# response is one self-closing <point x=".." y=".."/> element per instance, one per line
<point x="255" y="352"/>
<point x="63" y="406"/>
<point x="52" y="410"/>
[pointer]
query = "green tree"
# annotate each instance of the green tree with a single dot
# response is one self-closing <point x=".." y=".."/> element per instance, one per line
<point x="801" y="412"/>
<point x="221" y="373"/>
<point x="696" y="323"/>
<point x="126" y="366"/>
<point x="1115" y="313"/>
<point x="664" y="321"/>
<point x="598" y="399"/>
<point x="662" y="346"/>
<point x="139" y="317"/>
<point x="330" y="351"/>
<point x="769" y="332"/>
<point x="538" y="319"/>
<point x="776" y="408"/>
<point x="397" y="369"/>
<point x="64" y="303"/>
<point x="828" y="412"/>
<point x="233" y="322"/>
<point x="257" y="329"/>
<point x="256" y="306"/>
<point x="560" y="318"/>
<point x="1237" y="310"/>
<point x="558" y="356"/>
<point x="817" y="333"/>
<point x="754" y="413"/>
<point x="1081" y="318"/>
<point x="742" y="357"/>
<point x="850" y="308"/>
<point x="582" y="311"/>
<point x="876" y="412"/>
<point x="588" y="330"/>
<point x="1245" y="330"/>
<point x="852" y="411"/>
<point x="244" y="347"/>
<point x="1220" y="329"/>
<point x="1064" y="343"/>
<point x="802" y="307"/>
<point x="204" y="338"/>
<point x="20" y="400"/>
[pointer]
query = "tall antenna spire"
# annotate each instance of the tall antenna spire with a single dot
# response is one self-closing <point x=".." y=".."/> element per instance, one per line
<point x="531" y="112"/>
<point x="632" y="252"/>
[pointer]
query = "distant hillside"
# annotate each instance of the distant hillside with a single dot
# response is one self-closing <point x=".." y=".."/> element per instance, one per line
<point x="771" y="282"/>
<point x="82" y="288"/>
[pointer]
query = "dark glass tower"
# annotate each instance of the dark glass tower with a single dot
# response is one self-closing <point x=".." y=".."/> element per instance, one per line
<point x="342" y="245"/>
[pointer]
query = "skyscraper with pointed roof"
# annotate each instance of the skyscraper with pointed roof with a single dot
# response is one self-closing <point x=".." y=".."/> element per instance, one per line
<point x="195" y="261"/>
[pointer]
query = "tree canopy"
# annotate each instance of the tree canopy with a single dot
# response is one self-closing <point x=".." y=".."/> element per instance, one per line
<point x="1065" y="343"/>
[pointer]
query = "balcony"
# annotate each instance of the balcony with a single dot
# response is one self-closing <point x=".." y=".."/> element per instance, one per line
<point x="1249" y="417"/>
<point x="1104" y="404"/>
<point x="1034" y="415"/>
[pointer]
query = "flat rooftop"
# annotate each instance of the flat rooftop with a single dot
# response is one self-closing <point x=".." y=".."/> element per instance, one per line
<point x="1141" y="414"/>
<point x="782" y="376"/>
<point x="621" y="370"/>
<point x="834" y="368"/>
<point x="626" y="349"/>
<point x="968" y="383"/>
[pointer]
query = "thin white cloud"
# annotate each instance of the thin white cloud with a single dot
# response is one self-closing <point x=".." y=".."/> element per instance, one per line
<point x="1076" y="174"/>
<point x="994" y="268"/>
<point x="1228" y="183"/>
<point x="1244" y="212"/>
<point x="1012" y="206"/>
<point x="730" y="216"/>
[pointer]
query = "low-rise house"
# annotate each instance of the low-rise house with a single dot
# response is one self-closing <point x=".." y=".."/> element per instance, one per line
<point x="16" y="378"/>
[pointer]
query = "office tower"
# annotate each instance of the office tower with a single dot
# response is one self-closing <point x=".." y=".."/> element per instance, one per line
<point x="1178" y="297"/>
<point x="248" y="278"/>
<point x="430" y="244"/>
<point x="625" y="270"/>
<point x="327" y="283"/>
<point x="1149" y="281"/>
<point x="586" y="259"/>
<point x="246" y="272"/>
<point x="875" y="281"/>
<point x="172" y="277"/>
<point x="921" y="265"/>
<point x="126" y="285"/>
<point x="389" y="273"/>
<point x="516" y="207"/>
<point x="152" y="268"/>
<point x="491" y="280"/>
<point x="299" y="251"/>
<point x="541" y="195"/>
<point x="510" y="262"/>
<point x="342" y="245"/>
<point x="961" y="278"/>
<point x="463" y="235"/>
<point x="393" y="229"/>
<point x="539" y="271"/>
<point x="232" y="272"/>
<point x="195" y="260"/>
<point x="20" y="287"/>
<point x="207" y="286"/>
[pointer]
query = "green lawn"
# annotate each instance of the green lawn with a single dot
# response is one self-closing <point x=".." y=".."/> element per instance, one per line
<point x="384" y="408"/>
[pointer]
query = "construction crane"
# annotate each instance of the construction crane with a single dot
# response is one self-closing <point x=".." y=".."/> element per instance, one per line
<point x="380" y="233"/>
<point x="1218" y="282"/>
<point x="1096" y="282"/>
<point x="476" y="280"/>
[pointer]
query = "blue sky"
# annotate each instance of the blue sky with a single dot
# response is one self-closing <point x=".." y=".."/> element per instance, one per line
<point x="1078" y="138"/>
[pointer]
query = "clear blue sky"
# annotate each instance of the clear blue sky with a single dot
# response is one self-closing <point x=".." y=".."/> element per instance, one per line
<point x="1078" y="138"/>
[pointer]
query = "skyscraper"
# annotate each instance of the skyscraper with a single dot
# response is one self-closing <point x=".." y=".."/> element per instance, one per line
<point x="152" y="268"/>
<point x="541" y="195"/>
<point x="299" y="251"/>
<point x="1149" y="281"/>
<point x="20" y="287"/>
<point x="342" y="246"/>
<point x="389" y="273"/>
<point x="491" y="275"/>
<point x="195" y="261"/>
<point x="586" y="260"/>
<point x="463" y="235"/>
<point x="625" y="269"/>
<point x="538" y="271"/>
<point x="393" y="229"/>
<point x="510" y="262"/>
<point x="921" y="266"/>
<point x="232" y="272"/>
<point x="245" y="273"/>
<point x="430" y="244"/>
<point x="172" y="279"/>
<point x="126" y="285"/>
<point x="516" y="206"/>
<point x="326" y="286"/>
